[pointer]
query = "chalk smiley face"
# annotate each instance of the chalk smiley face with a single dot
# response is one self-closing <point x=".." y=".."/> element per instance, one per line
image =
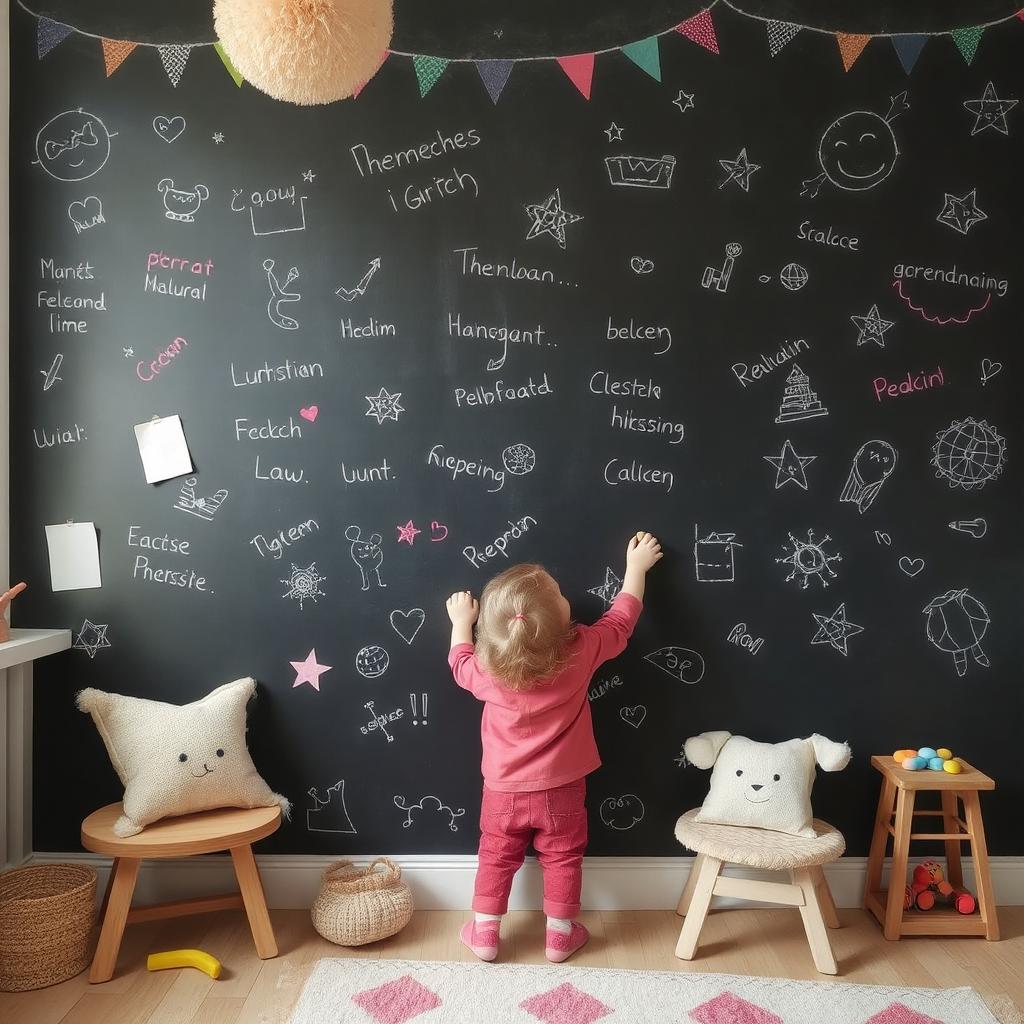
<point x="858" y="151"/>
<point x="621" y="813"/>
<point x="73" y="146"/>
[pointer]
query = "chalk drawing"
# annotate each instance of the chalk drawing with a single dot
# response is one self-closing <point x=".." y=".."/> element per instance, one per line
<point x="168" y="128"/>
<point x="367" y="555"/>
<point x="942" y="321"/>
<point x="790" y="468"/>
<point x="549" y="218"/>
<point x="957" y="623"/>
<point x="799" y="402"/>
<point x="86" y="214"/>
<point x="961" y="213"/>
<point x="351" y="294"/>
<point x="429" y="804"/>
<point x="641" y="265"/>
<point x="633" y="716"/>
<point x="438" y="532"/>
<point x="308" y="175"/>
<point x="303" y="584"/>
<point x="407" y="624"/>
<point x="718" y="277"/>
<point x="679" y="662"/>
<point x="379" y="722"/>
<point x="418" y="719"/>
<point x="218" y="138"/>
<point x="407" y="534"/>
<point x="279" y="295"/>
<point x="330" y="814"/>
<point x="204" y="508"/>
<point x="640" y="171"/>
<point x="793" y="277"/>
<point x="989" y="369"/>
<point x="50" y="376"/>
<point x="622" y="813"/>
<point x="835" y="629"/>
<point x="871" y="327"/>
<point x="738" y="170"/>
<point x="384" y="406"/>
<point x="73" y="146"/>
<point x="739" y="636"/>
<point x="684" y="101"/>
<point x="372" y="661"/>
<point x="91" y="638"/>
<point x="519" y="459"/>
<point x="608" y="590"/>
<point x="977" y="528"/>
<point x="990" y="111"/>
<point x="872" y="466"/>
<point x="714" y="556"/>
<point x="809" y="558"/>
<point x="968" y="454"/>
<point x="181" y="204"/>
<point x="881" y="537"/>
<point x="614" y="132"/>
<point x="911" y="566"/>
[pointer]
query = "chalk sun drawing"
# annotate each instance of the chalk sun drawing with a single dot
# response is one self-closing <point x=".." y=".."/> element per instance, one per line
<point x="91" y="638"/>
<point x="608" y="590"/>
<point x="714" y="556"/>
<point x="73" y="146"/>
<point x="279" y="295"/>
<point x="640" y="171"/>
<point x="872" y="466"/>
<point x="961" y="213"/>
<point x="622" y="813"/>
<point x="871" y="327"/>
<point x="367" y="554"/>
<point x="205" y="507"/>
<point x="990" y="111"/>
<point x="384" y="406"/>
<point x="956" y="623"/>
<point x="549" y="218"/>
<point x="718" y="277"/>
<point x="372" y="661"/>
<point x="168" y="128"/>
<point x="738" y="170"/>
<point x="968" y="454"/>
<point x="679" y="662"/>
<point x="809" y="558"/>
<point x="432" y="804"/>
<point x="407" y="623"/>
<point x="182" y="204"/>
<point x="330" y="814"/>
<point x="353" y="293"/>
<point x="303" y="584"/>
<point x="942" y="321"/>
<point x="790" y="468"/>
<point x="86" y="214"/>
<point x="835" y="629"/>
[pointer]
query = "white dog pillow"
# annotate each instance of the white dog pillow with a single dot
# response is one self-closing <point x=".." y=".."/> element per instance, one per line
<point x="766" y="785"/>
<point x="176" y="759"/>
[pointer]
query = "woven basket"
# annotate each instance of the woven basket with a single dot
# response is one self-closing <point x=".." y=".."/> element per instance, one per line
<point x="46" y="917"/>
<point x="360" y="905"/>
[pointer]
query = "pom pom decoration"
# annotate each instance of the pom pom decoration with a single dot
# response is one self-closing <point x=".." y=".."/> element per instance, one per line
<point x="305" y="51"/>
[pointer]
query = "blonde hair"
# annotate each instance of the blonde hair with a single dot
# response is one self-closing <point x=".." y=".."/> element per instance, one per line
<point x="521" y="635"/>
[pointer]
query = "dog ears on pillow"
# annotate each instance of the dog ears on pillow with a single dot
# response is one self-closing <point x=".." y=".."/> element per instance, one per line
<point x="702" y="751"/>
<point x="831" y="756"/>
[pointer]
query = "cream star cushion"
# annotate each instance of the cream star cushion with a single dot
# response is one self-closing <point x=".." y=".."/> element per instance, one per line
<point x="766" y="785"/>
<point x="178" y="759"/>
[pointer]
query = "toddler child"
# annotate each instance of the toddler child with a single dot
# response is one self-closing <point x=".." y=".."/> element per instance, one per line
<point x="531" y="667"/>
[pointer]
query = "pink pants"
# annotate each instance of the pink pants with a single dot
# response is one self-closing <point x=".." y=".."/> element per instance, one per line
<point x="556" y="821"/>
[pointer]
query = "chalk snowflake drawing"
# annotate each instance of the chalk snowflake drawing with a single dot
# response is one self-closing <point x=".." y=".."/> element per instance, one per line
<point x="809" y="558"/>
<point x="872" y="466"/>
<point x="968" y="454"/>
<point x="304" y="584"/>
<point x="961" y="213"/>
<point x="957" y="623"/>
<point x="435" y="805"/>
<point x="384" y="406"/>
<point x="990" y="111"/>
<point x="549" y="218"/>
<point x="835" y="629"/>
<point x="330" y="814"/>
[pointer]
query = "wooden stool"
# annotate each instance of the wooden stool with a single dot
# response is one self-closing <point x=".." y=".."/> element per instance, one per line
<point x="716" y="845"/>
<point x="895" y="817"/>
<point x="231" y="829"/>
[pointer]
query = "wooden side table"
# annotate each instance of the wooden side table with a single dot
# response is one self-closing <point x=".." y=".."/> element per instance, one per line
<point x="895" y="817"/>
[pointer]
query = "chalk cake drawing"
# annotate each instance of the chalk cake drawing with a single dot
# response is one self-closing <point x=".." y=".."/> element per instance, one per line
<point x="380" y="722"/>
<point x="942" y="321"/>
<point x="351" y="294"/>
<point x="835" y="629"/>
<point x="331" y="814"/>
<point x="432" y="804"/>
<point x="309" y="670"/>
<point x="809" y="558"/>
<point x="168" y="128"/>
<point x="73" y="146"/>
<point x="968" y="454"/>
<point x="881" y="537"/>
<point x="418" y="719"/>
<point x="738" y="170"/>
<point x="990" y="111"/>
<point x="384" y="406"/>
<point x="608" y="590"/>
<point x="91" y="637"/>
<point x="718" y="277"/>
<point x="633" y="716"/>
<point x="549" y="218"/>
<point x="871" y="467"/>
<point x="977" y="528"/>
<point x="372" y="661"/>
<point x="961" y="213"/>
<point x="871" y="327"/>
<point x="279" y="295"/>
<point x="641" y="265"/>
<point x="640" y="171"/>
<point x="407" y="534"/>
<point x="519" y="459"/>
<point x="679" y="662"/>
<point x="799" y="402"/>
<point x="957" y="623"/>
<point x="181" y="204"/>
<point x="793" y="277"/>
<point x="86" y="213"/>
<point x="684" y="101"/>
<point x="367" y="555"/>
<point x="204" y="508"/>
<point x="790" y="468"/>
<point x="621" y="813"/>
<point x="714" y="556"/>
<point x="50" y="376"/>
<point x="989" y="369"/>
<point x="407" y="624"/>
<point x="911" y="566"/>
<point x="614" y="132"/>
<point x="304" y="584"/>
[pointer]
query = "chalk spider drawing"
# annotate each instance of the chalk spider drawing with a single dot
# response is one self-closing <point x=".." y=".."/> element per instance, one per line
<point x="438" y="806"/>
<point x="304" y="584"/>
<point x="809" y="558"/>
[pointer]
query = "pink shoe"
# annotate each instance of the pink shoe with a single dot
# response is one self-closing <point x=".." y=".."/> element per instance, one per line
<point x="558" y="946"/>
<point x="481" y="939"/>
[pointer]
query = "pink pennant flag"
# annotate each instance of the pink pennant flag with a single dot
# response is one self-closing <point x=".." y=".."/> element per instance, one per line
<point x="701" y="30"/>
<point x="362" y="85"/>
<point x="580" y="69"/>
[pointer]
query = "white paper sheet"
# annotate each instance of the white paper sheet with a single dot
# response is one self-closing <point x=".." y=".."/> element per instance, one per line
<point x="163" y="448"/>
<point x="74" y="556"/>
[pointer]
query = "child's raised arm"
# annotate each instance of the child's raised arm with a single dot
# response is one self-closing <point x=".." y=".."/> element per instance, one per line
<point x="463" y="610"/>
<point x="642" y="553"/>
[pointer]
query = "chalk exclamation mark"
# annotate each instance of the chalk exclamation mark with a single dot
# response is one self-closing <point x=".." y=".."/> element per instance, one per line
<point x="424" y="696"/>
<point x="412" y="702"/>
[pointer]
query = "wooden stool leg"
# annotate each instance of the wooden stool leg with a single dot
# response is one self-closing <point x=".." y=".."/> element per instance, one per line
<point x="900" y="854"/>
<point x="255" y="903"/>
<point x="700" y="900"/>
<point x="979" y="852"/>
<point x="879" y="838"/>
<point x="691" y="881"/>
<point x="814" y="923"/>
<point x="118" y="902"/>
<point x="954" y="871"/>
<point x="106" y="892"/>
<point x="828" y="906"/>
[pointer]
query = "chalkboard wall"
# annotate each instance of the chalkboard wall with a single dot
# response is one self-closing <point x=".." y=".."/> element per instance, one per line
<point x="413" y="341"/>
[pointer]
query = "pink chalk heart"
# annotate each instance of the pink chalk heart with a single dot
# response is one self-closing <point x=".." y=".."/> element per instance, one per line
<point x="311" y="413"/>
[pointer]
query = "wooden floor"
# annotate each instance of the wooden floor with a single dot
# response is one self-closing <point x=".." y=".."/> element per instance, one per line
<point x="759" y="942"/>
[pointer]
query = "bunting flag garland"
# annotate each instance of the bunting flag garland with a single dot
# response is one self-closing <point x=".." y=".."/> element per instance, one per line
<point x="494" y="74"/>
<point x="644" y="54"/>
<point x="701" y="30"/>
<point x="231" y="69"/>
<point x="362" y="85"/>
<point x="780" y="33"/>
<point x="114" y="53"/>
<point x="908" y="48"/>
<point x="49" y="34"/>
<point x="174" y="58"/>
<point x="850" y="47"/>
<point x="428" y="71"/>
<point x="967" y="40"/>
<point x="580" y="70"/>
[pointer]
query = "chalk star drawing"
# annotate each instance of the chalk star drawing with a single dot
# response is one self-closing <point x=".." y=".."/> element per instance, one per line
<point x="614" y="132"/>
<point x="309" y="671"/>
<point x="330" y="815"/>
<point x="835" y="629"/>
<point x="956" y="624"/>
<point x="968" y="453"/>
<point x="684" y="101"/>
<point x="128" y="352"/>
<point x="790" y="467"/>
<point x="871" y="327"/>
<point x="739" y="170"/>
<point x="809" y="558"/>
<point x="990" y="111"/>
<point x="436" y="805"/>
<point x="384" y="406"/>
<point x="608" y="590"/>
<point x="550" y="219"/>
<point x="304" y="584"/>
<point x="961" y="213"/>
<point x="91" y="638"/>
<point x="308" y="175"/>
<point x="218" y="137"/>
<point x="872" y="466"/>
<point x="407" y="533"/>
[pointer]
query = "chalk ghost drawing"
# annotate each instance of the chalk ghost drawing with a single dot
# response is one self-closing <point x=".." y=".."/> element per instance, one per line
<point x="872" y="466"/>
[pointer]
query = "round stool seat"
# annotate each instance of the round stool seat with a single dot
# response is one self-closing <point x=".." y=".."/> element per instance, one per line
<point x="759" y="848"/>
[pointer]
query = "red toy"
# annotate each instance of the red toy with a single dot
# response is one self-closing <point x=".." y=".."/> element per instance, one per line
<point x="929" y="886"/>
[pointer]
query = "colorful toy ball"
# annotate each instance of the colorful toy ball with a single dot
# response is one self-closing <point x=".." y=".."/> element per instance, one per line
<point x="944" y="752"/>
<point x="927" y="753"/>
<point x="953" y="766"/>
<point x="915" y="764"/>
<point x="901" y="755"/>
<point x="936" y="764"/>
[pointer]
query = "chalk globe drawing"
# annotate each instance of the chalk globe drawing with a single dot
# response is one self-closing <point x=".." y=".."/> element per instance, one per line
<point x="73" y="146"/>
<point x="519" y="459"/>
<point x="968" y="453"/>
<point x="372" y="661"/>
<point x="793" y="277"/>
<point x="957" y="623"/>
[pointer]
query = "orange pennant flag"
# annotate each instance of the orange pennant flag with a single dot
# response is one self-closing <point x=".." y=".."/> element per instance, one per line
<point x="851" y="47"/>
<point x="114" y="53"/>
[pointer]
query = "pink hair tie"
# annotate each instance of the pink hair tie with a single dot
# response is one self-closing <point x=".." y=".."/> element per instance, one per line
<point x="520" y="616"/>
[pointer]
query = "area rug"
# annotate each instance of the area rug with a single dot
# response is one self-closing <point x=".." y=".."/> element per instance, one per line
<point x="429" y="992"/>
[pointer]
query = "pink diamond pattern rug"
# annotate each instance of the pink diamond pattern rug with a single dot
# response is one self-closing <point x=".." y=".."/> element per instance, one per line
<point x="353" y="991"/>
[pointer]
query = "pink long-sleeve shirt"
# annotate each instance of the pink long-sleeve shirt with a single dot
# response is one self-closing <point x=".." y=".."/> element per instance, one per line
<point x="544" y="737"/>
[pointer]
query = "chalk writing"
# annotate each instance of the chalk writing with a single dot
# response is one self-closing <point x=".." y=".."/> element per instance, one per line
<point x="747" y="373"/>
<point x="284" y="538"/>
<point x="616" y="472"/>
<point x="498" y="546"/>
<point x="739" y="636"/>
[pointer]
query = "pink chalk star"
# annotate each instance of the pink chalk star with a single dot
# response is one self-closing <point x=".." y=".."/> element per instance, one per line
<point x="309" y="671"/>
<point x="407" y="533"/>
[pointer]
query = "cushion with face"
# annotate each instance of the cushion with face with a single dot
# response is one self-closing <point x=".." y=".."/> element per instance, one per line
<point x="176" y="759"/>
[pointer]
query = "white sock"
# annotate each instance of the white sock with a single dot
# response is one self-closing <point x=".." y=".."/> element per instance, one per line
<point x="560" y="924"/>
<point x="496" y="918"/>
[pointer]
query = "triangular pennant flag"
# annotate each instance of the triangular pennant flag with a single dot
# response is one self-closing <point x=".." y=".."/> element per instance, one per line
<point x="49" y="33"/>
<point x="494" y="74"/>
<point x="428" y="71"/>
<point x="174" y="57"/>
<point x="114" y="53"/>
<point x="908" y="48"/>
<point x="780" y="33"/>
<point x="701" y="29"/>
<point x="851" y="47"/>
<point x="362" y="85"/>
<point x="231" y="69"/>
<point x="967" y="40"/>
<point x="580" y="69"/>
<point x="644" y="54"/>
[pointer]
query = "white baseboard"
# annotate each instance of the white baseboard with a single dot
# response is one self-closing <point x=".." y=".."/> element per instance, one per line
<point x="446" y="883"/>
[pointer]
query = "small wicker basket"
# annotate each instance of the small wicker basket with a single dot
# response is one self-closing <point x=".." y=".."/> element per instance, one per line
<point x="360" y="905"/>
<point x="46" y="917"/>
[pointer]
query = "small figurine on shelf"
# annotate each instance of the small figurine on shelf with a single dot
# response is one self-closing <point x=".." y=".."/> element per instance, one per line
<point x="5" y="600"/>
<point x="928" y="886"/>
<point x="938" y="760"/>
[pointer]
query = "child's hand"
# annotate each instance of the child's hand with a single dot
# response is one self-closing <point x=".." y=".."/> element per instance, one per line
<point x="643" y="551"/>
<point x="463" y="608"/>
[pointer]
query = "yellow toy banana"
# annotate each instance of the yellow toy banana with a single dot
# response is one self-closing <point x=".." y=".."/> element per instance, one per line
<point x="184" y="958"/>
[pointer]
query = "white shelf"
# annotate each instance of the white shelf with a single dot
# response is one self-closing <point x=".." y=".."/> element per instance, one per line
<point x="30" y="644"/>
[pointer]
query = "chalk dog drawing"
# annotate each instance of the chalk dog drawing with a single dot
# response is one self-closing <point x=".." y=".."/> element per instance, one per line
<point x="408" y="624"/>
<point x="73" y="146"/>
<point x="614" y="132"/>
<point x="957" y="623"/>
<point x="621" y="813"/>
<point x="835" y="629"/>
<point x="714" y="556"/>
<point x="351" y="294"/>
<point x="858" y="150"/>
<point x="204" y="508"/>
<point x="417" y="719"/>
<point x="961" y="213"/>
<point x="181" y="204"/>
<point x="790" y="468"/>
<point x="872" y="466"/>
<point x="977" y="528"/>
<point x="384" y="406"/>
<point x="330" y="814"/>
<point x="91" y="637"/>
<point x="968" y="454"/>
<point x="809" y="558"/>
<point x="934" y="318"/>
<point x="640" y="171"/>
<point x="372" y="661"/>
<point x="871" y="327"/>
<point x="50" y="376"/>
<point x="989" y="369"/>
<point x="519" y="459"/>
<point x="738" y="170"/>
<point x="86" y="214"/>
<point x="799" y="402"/>
<point x="608" y="590"/>
<point x="279" y="295"/>
<point x="435" y="805"/>
<point x="990" y="111"/>
<point x="633" y="716"/>
<point x="168" y="128"/>
<point x="640" y="265"/>
<point x="549" y="218"/>
<point x="367" y="555"/>
<point x="718" y="277"/>
<point x="679" y="662"/>
<point x="911" y="566"/>
<point x="304" y="584"/>
<point x="684" y="101"/>
<point x="380" y="722"/>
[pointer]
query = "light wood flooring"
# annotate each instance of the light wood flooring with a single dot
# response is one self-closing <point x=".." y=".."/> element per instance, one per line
<point x="759" y="942"/>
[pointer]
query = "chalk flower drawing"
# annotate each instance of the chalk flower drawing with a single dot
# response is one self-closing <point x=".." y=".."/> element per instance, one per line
<point x="990" y="111"/>
<point x="90" y="638"/>
<point x="961" y="213"/>
<point x="968" y="454"/>
<point x="429" y="804"/>
<point x="790" y="468"/>
<point x="809" y="558"/>
<point x="957" y="623"/>
<point x="608" y="590"/>
<point x="304" y="584"/>
<point x="871" y="327"/>
<point x="384" y="406"/>
<point x="330" y="814"/>
<point x="835" y="629"/>
<point x="738" y="170"/>
<point x="872" y="466"/>
<point x="549" y="218"/>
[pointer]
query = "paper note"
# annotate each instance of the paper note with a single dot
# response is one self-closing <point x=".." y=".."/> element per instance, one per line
<point x="74" y="556"/>
<point x="163" y="448"/>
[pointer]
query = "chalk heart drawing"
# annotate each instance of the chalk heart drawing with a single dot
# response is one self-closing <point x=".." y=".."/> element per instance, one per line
<point x="633" y="716"/>
<point x="957" y="623"/>
<point x="438" y="531"/>
<point x="679" y="662"/>
<point x="989" y="369"/>
<point x="86" y="213"/>
<point x="911" y="566"/>
<point x="73" y="146"/>
<point x="310" y="413"/>
<point x="168" y="128"/>
<point x="621" y="813"/>
<point x="408" y="624"/>
<point x="641" y="265"/>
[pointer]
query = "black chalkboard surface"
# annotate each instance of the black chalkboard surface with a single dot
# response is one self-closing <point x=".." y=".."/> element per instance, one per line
<point x="413" y="341"/>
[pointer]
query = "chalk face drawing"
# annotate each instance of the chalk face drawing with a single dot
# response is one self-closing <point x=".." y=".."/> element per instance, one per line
<point x="790" y="468"/>
<point x="202" y="507"/>
<point x="872" y="466"/>
<point x="835" y="629"/>
<point x="73" y="146"/>
<point x="91" y="638"/>
<point x="407" y="624"/>
<point x="372" y="661"/>
<point x="640" y="171"/>
<point x="714" y="556"/>
<point x="968" y="454"/>
<point x="679" y="662"/>
<point x="181" y="204"/>
<point x="738" y="170"/>
<point x="621" y="813"/>
<point x="329" y="813"/>
<point x="429" y="805"/>
<point x="976" y="528"/>
<point x="168" y="128"/>
<point x="718" y="277"/>
<point x="384" y="406"/>
<point x="956" y="623"/>
<point x="279" y="296"/>
<point x="367" y="555"/>
<point x="304" y="584"/>
<point x="961" y="213"/>
<point x="519" y="459"/>
<point x="549" y="218"/>
<point x="608" y="590"/>
<point x="871" y="327"/>
<point x="990" y="111"/>
<point x="809" y="558"/>
<point x="86" y="214"/>
<point x="799" y="402"/>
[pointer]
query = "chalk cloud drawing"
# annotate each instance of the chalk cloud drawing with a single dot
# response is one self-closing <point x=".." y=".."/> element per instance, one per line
<point x="961" y="213"/>
<point x="91" y="638"/>
<point x="684" y="101"/>
<point x="168" y="128"/>
<point x="641" y="265"/>
<point x="835" y="629"/>
<point x="407" y="534"/>
<point x="871" y="327"/>
<point x="872" y="466"/>
<point x="384" y="406"/>
<point x="911" y="566"/>
<point x="989" y="369"/>
<point x="809" y="558"/>
<point x="990" y="111"/>
<point x="633" y="716"/>
<point x="790" y="468"/>
<point x="372" y="661"/>
<point x="359" y="289"/>
<point x="799" y="402"/>
<point x="407" y="624"/>
<point x="279" y="295"/>
<point x="968" y="454"/>
<point x="181" y="204"/>
<point x="519" y="459"/>
<point x="329" y="813"/>
<point x="934" y="318"/>
<point x="738" y="170"/>
<point x="86" y="213"/>
<point x="549" y="218"/>
<point x="714" y="556"/>
<point x="977" y="528"/>
<point x="621" y="813"/>
<point x="640" y="171"/>
<point x="367" y="554"/>
<point x="956" y="623"/>
<point x="50" y="376"/>
<point x="429" y="805"/>
<point x="608" y="590"/>
<point x="73" y="146"/>
<point x="679" y="662"/>
<point x="204" y="508"/>
<point x="303" y="584"/>
<point x="718" y="277"/>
